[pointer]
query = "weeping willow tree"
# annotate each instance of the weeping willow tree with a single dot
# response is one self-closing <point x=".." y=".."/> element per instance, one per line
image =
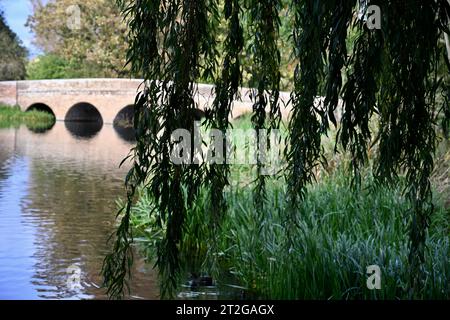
<point x="390" y="74"/>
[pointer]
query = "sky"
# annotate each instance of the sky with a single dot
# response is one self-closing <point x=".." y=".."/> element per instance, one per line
<point x="16" y="13"/>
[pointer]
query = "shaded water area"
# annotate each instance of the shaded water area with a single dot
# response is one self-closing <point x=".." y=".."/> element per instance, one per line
<point x="58" y="189"/>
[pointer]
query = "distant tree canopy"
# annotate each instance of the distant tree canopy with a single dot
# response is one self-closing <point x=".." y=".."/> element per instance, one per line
<point x="100" y="44"/>
<point x="90" y="36"/>
<point x="12" y="54"/>
<point x="388" y="74"/>
<point x="51" y="66"/>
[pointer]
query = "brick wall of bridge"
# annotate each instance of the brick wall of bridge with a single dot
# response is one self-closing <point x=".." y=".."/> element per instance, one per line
<point x="8" y="93"/>
<point x="109" y="96"/>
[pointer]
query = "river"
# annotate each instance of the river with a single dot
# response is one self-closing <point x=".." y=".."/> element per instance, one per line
<point x="57" y="209"/>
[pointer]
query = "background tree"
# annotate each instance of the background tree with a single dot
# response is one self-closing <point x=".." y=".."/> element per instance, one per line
<point x="98" y="43"/>
<point x="101" y="41"/>
<point x="51" y="66"/>
<point x="12" y="54"/>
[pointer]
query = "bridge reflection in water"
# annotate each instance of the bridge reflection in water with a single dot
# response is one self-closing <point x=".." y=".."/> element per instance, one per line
<point x="58" y="192"/>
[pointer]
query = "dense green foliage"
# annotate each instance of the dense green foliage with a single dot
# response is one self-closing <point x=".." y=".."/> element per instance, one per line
<point x="88" y="34"/>
<point x="83" y="53"/>
<point x="390" y="76"/>
<point x="12" y="54"/>
<point x="51" y="66"/>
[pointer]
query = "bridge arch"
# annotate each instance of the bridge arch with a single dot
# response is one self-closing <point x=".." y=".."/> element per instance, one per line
<point x="83" y="112"/>
<point x="123" y="124"/>
<point x="124" y="117"/>
<point x="41" y="107"/>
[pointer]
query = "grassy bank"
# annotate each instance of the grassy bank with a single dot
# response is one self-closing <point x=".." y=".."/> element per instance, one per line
<point x="341" y="232"/>
<point x="338" y="233"/>
<point x="34" y="119"/>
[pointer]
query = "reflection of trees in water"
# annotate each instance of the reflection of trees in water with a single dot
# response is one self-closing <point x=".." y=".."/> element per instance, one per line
<point x="73" y="211"/>
<point x="7" y="145"/>
<point x="40" y="127"/>
<point x="70" y="206"/>
<point x="4" y="174"/>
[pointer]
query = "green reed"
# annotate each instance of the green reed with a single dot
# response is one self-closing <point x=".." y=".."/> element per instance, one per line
<point x="13" y="116"/>
<point x="340" y="231"/>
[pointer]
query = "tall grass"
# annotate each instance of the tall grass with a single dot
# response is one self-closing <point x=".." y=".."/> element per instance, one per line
<point x="14" y="117"/>
<point x="340" y="232"/>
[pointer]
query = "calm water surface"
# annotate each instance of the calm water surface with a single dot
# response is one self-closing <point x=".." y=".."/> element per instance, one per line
<point x="57" y="207"/>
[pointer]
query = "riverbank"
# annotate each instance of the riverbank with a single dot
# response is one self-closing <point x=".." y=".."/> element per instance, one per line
<point x="337" y="233"/>
<point x="13" y="116"/>
<point x="340" y="233"/>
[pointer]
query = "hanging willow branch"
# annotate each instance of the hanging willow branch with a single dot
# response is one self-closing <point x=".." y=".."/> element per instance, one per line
<point x="408" y="109"/>
<point x="390" y="76"/>
<point x="226" y="90"/>
<point x="392" y="72"/>
<point x="359" y="94"/>
<point x="168" y="41"/>
<point x="145" y="59"/>
<point x="263" y="25"/>
<point x="308" y="120"/>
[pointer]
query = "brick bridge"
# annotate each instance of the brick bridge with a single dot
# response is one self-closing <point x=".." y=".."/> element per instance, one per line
<point x="102" y="100"/>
